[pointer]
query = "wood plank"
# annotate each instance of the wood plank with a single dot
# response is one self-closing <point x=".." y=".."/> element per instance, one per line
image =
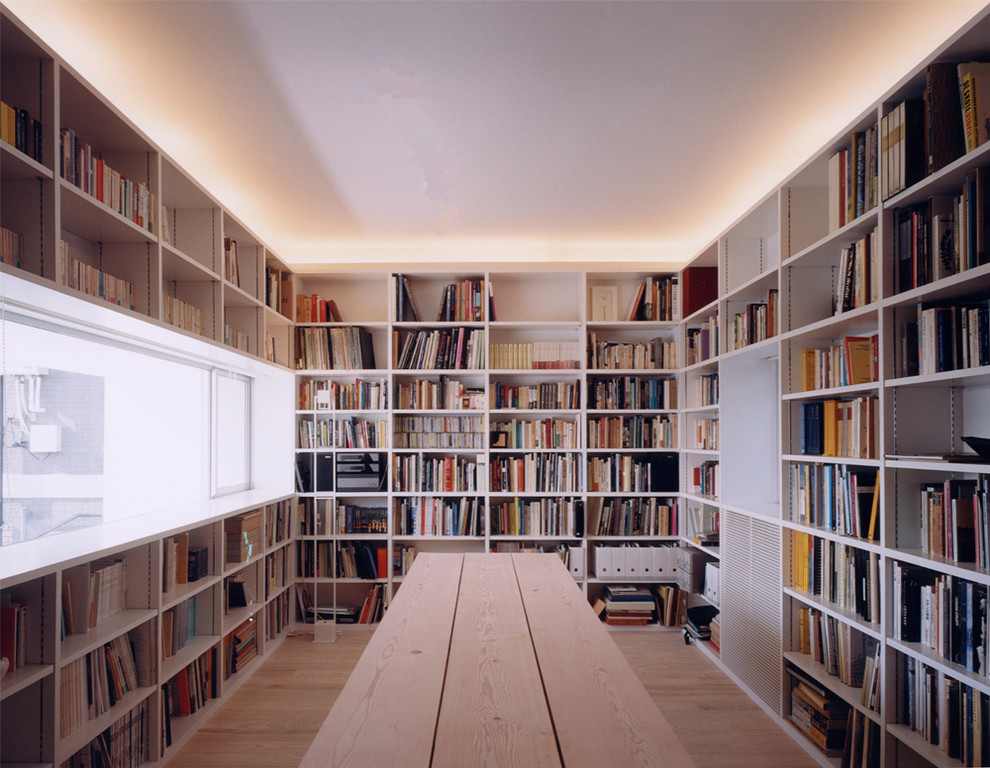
<point x="494" y="712"/>
<point x="602" y="714"/>
<point x="393" y="695"/>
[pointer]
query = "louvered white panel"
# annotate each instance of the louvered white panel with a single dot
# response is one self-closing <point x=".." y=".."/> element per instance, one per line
<point x="751" y="604"/>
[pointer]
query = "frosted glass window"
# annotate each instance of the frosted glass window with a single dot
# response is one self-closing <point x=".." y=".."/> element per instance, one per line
<point x="232" y="409"/>
<point x="94" y="432"/>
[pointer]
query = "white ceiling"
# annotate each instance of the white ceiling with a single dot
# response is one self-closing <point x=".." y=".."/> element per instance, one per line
<point x="486" y="130"/>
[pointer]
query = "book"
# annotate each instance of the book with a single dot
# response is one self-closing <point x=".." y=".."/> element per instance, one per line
<point x="698" y="288"/>
<point x="974" y="89"/>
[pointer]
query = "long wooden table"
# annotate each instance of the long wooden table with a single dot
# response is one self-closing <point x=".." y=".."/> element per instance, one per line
<point x="493" y="660"/>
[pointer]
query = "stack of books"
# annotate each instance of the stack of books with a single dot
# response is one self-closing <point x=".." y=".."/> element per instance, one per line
<point x="627" y="605"/>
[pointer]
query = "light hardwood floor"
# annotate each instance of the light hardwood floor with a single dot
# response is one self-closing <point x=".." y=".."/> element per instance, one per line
<point x="271" y="719"/>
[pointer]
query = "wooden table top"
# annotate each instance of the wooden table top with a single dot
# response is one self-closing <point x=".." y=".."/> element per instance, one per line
<point x="493" y="660"/>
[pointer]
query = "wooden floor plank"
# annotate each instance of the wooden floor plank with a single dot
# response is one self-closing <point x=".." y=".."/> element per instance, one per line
<point x="494" y="713"/>
<point x="393" y="694"/>
<point x="603" y="716"/>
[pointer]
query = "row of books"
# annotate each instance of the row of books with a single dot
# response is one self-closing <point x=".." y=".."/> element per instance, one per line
<point x="947" y="713"/>
<point x="182" y="562"/>
<point x="819" y="714"/>
<point x="535" y="517"/>
<point x="757" y="322"/>
<point x="947" y="338"/>
<point x="548" y="395"/>
<point x="836" y="497"/>
<point x="440" y="394"/>
<point x="439" y="349"/>
<point x="235" y="338"/>
<point x="853" y="179"/>
<point x="181" y="314"/>
<point x="630" y="605"/>
<point x="125" y="744"/>
<point x="13" y="632"/>
<point x="81" y="166"/>
<point x="278" y="615"/>
<point x="706" y="478"/>
<point x="178" y="627"/>
<point x="656" y="354"/>
<point x="631" y="393"/>
<point x="355" y="518"/>
<point x="238" y="592"/>
<point x="843" y="651"/>
<point x="843" y="575"/>
<point x="231" y="264"/>
<point x="189" y="690"/>
<point x="657" y="299"/>
<point x="21" y="131"/>
<point x="417" y="472"/>
<point x="92" y="684"/>
<point x="243" y="536"/>
<point x="360" y="433"/>
<point x="76" y="274"/>
<point x="433" y="516"/>
<point x="310" y="308"/>
<point x="857" y="282"/>
<point x="536" y="473"/>
<point x="107" y="593"/>
<point x="942" y="236"/>
<point x="359" y="395"/>
<point x="635" y="517"/>
<point x="706" y="389"/>
<point x="534" y="355"/>
<point x="942" y="612"/>
<point x="954" y="520"/>
<point x="465" y="432"/>
<point x="239" y="647"/>
<point x="836" y="427"/>
<point x="278" y="521"/>
<point x="276" y="570"/>
<point x="361" y="560"/>
<point x="11" y="247"/>
<point x="706" y="433"/>
<point x="314" y="560"/>
<point x="278" y="288"/>
<point x="321" y="517"/>
<point x="633" y="473"/>
<point x="534" y="433"/>
<point x="657" y="431"/>
<point x="371" y="611"/>
<point x="344" y="348"/>
<point x="702" y="342"/>
<point x="853" y="361"/>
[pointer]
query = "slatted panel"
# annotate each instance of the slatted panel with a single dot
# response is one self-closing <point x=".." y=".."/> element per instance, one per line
<point x="751" y="604"/>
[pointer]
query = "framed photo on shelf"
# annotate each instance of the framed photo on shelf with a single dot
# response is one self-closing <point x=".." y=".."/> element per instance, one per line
<point x="604" y="299"/>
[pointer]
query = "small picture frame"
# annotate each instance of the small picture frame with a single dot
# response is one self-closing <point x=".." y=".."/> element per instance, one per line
<point x="604" y="301"/>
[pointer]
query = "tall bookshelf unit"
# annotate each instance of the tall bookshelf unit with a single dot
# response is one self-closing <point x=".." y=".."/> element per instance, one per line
<point x="133" y="603"/>
<point x="95" y="212"/>
<point x="101" y="212"/>
<point x="837" y="531"/>
<point x="519" y="436"/>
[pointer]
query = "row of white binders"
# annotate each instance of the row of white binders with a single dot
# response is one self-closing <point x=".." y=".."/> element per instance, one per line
<point x="636" y="562"/>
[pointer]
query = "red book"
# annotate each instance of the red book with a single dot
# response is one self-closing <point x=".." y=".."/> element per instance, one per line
<point x="382" y="562"/>
<point x="699" y="287"/>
